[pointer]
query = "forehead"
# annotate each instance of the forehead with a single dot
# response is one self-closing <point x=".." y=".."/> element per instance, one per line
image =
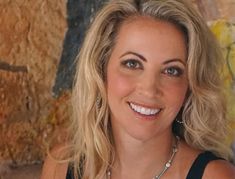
<point x="150" y="24"/>
<point x="145" y="34"/>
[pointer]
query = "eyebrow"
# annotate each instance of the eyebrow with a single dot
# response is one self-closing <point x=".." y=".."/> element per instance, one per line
<point x="134" y="53"/>
<point x="144" y="59"/>
<point x="175" y="60"/>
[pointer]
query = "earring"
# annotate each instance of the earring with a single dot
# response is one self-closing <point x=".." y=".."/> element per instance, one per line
<point x="179" y="121"/>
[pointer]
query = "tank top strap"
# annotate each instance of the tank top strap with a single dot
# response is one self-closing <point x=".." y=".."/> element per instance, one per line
<point x="70" y="172"/>
<point x="197" y="169"/>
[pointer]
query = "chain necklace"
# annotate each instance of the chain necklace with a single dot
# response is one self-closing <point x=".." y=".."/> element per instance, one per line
<point x="166" y="166"/>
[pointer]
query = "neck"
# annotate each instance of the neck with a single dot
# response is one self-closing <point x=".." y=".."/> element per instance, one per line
<point x="142" y="159"/>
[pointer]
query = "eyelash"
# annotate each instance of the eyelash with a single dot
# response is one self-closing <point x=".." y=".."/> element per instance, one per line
<point x="176" y="73"/>
<point x="127" y="64"/>
<point x="138" y="65"/>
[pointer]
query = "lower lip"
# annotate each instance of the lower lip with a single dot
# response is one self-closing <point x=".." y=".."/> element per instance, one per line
<point x="146" y="117"/>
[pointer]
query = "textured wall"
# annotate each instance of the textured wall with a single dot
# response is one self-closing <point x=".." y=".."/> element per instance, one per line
<point x="38" y="44"/>
<point x="79" y="13"/>
<point x="215" y="9"/>
<point x="31" y="39"/>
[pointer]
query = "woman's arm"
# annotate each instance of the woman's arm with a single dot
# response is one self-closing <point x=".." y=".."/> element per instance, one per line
<point x="53" y="169"/>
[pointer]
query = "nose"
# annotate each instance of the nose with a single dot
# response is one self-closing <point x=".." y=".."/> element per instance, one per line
<point x="150" y="86"/>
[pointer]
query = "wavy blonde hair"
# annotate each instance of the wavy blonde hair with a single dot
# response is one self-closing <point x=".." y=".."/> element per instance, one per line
<point x="204" y="112"/>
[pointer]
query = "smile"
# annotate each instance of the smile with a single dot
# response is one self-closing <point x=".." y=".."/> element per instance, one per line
<point x="143" y="110"/>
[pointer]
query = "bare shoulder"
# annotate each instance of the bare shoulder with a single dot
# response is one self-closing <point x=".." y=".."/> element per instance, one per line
<point x="219" y="169"/>
<point x="52" y="167"/>
<point x="216" y="169"/>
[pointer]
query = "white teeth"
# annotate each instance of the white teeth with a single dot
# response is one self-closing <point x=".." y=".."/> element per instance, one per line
<point x="143" y="110"/>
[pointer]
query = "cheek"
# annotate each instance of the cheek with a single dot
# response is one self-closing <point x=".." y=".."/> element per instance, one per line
<point x="176" y="93"/>
<point x="118" y="85"/>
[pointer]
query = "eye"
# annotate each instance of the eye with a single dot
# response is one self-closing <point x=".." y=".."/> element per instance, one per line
<point x="173" y="71"/>
<point x="132" y="63"/>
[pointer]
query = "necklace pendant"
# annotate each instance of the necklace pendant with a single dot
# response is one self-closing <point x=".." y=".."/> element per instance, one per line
<point x="168" y="165"/>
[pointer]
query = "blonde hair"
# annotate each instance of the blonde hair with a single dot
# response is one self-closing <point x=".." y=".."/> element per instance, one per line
<point x="204" y="112"/>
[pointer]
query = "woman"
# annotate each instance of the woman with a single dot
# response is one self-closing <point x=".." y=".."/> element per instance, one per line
<point x="147" y="97"/>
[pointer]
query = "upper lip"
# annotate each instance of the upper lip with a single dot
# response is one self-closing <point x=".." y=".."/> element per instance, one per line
<point x="147" y="105"/>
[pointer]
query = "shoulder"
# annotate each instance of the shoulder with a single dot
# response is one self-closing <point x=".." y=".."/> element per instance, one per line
<point x="205" y="165"/>
<point x="53" y="167"/>
<point x="219" y="169"/>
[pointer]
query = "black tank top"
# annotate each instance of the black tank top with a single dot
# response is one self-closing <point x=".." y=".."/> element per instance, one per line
<point x="196" y="171"/>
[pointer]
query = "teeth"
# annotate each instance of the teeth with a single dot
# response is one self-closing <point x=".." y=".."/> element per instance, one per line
<point x="143" y="110"/>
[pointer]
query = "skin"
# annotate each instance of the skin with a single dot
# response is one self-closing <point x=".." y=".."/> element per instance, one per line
<point x="51" y="168"/>
<point x="147" y="68"/>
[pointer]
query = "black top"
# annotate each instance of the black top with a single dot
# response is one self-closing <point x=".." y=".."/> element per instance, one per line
<point x="196" y="171"/>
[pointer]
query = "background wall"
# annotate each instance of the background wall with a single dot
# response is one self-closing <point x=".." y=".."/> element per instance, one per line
<point x="39" y="40"/>
<point x="31" y="39"/>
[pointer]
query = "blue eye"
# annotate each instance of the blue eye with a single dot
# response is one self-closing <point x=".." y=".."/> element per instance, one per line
<point x="133" y="64"/>
<point x="173" y="71"/>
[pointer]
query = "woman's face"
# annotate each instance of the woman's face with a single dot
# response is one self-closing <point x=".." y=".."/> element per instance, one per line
<point x="146" y="78"/>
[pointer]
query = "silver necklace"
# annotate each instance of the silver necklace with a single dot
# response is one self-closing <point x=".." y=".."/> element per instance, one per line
<point x="166" y="166"/>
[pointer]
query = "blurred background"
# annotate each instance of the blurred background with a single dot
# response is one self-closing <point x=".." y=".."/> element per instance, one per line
<point x="39" y="40"/>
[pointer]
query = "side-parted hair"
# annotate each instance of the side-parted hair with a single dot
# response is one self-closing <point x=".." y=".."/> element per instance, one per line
<point x="204" y="111"/>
